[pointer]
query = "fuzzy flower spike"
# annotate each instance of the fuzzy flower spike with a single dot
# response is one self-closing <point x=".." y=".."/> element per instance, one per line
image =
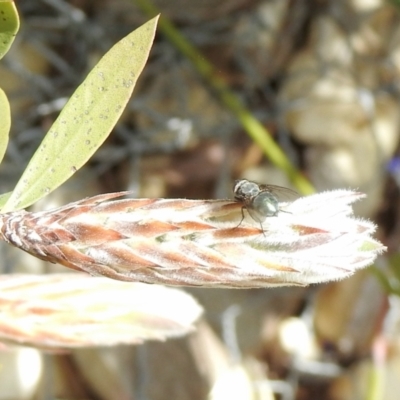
<point x="210" y="243"/>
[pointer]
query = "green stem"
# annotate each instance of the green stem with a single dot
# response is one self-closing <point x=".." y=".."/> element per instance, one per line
<point x="253" y="127"/>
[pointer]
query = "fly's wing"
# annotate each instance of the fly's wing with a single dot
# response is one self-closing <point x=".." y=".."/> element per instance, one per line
<point x="256" y="215"/>
<point x="282" y="193"/>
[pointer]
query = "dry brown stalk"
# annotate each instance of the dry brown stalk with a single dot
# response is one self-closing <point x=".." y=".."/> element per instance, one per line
<point x="199" y="242"/>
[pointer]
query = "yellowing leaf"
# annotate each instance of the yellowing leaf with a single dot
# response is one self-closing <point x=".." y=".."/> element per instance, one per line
<point x="9" y="25"/>
<point x="86" y="120"/>
<point x="5" y="123"/>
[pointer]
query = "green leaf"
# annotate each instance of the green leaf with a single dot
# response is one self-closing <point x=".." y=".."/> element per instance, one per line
<point x="5" y="124"/>
<point x="86" y="120"/>
<point x="9" y="25"/>
<point x="4" y="197"/>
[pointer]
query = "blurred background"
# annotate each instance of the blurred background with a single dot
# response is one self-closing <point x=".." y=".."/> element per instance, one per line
<point x="323" y="76"/>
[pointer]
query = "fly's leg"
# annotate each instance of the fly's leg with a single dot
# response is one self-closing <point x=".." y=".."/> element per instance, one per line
<point x="262" y="229"/>
<point x="240" y="223"/>
<point x="243" y="207"/>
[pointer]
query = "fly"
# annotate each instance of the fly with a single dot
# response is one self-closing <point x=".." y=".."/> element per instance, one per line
<point x="260" y="200"/>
